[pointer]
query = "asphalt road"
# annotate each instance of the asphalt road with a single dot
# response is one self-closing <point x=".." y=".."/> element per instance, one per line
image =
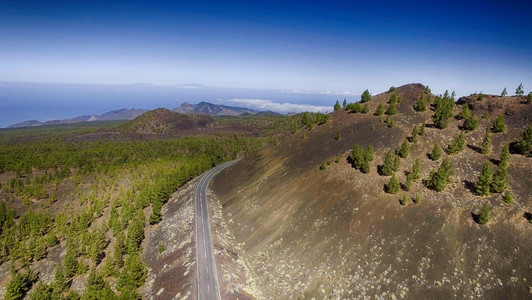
<point x="207" y="277"/>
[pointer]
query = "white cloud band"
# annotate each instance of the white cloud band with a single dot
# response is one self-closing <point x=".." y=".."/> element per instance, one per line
<point x="284" y="108"/>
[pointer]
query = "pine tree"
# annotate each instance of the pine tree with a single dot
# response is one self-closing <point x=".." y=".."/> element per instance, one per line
<point x="344" y="104"/>
<point x="392" y="89"/>
<point x="499" y="125"/>
<point x="486" y="142"/>
<point x="417" y="199"/>
<point x="420" y="104"/>
<point x="464" y="113"/>
<point x="380" y="110"/>
<point x="505" y="156"/>
<point x="504" y="92"/>
<point x="440" y="178"/>
<point x="366" y="97"/>
<point x="436" y="152"/>
<point x="484" y="216"/>
<point x="337" y="106"/>
<point x="470" y="123"/>
<point x="529" y="98"/>
<point x="524" y="144"/>
<point x="391" y="110"/>
<point x="405" y="149"/>
<point x="422" y="130"/>
<point x="509" y="198"/>
<point x="413" y="136"/>
<point x="338" y="136"/>
<point x="484" y="180"/>
<point x="416" y="170"/>
<point x="500" y="181"/>
<point x="519" y="90"/>
<point x="391" y="163"/>
<point x="457" y="144"/>
<point x="393" y="186"/>
<point x="365" y="109"/>
<point x="404" y="200"/>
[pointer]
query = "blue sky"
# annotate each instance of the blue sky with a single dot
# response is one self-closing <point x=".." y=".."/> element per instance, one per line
<point x="344" y="46"/>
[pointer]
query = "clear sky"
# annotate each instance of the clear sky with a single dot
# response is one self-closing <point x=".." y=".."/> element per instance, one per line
<point x="345" y="46"/>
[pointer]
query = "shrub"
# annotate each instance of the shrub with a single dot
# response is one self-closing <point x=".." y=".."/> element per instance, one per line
<point x="519" y="90"/>
<point x="360" y="158"/>
<point x="392" y="89"/>
<point x="529" y="98"/>
<point x="417" y="199"/>
<point x="391" y="163"/>
<point x="470" y="123"/>
<point x="484" y="180"/>
<point x="498" y="125"/>
<point x="464" y="113"/>
<point x="337" y="106"/>
<point x="505" y="156"/>
<point x="484" y="216"/>
<point x="436" y="152"/>
<point x="500" y="181"/>
<point x="508" y="198"/>
<point x="338" y="136"/>
<point x="416" y="170"/>
<point x="440" y="178"/>
<point x="389" y="121"/>
<point x="344" y="104"/>
<point x="504" y="92"/>
<point x="457" y="144"/>
<point x="98" y="288"/>
<point x="393" y="186"/>
<point x="524" y="144"/>
<point x="404" y="150"/>
<point x="323" y="166"/>
<point x="391" y="110"/>
<point x="42" y="291"/>
<point x="19" y="285"/>
<point x="354" y="107"/>
<point x="443" y="111"/>
<point x="365" y="97"/>
<point x="365" y="109"/>
<point x="486" y="142"/>
<point x="422" y="130"/>
<point x="380" y="110"/>
<point x="413" y="136"/>
<point x="404" y="200"/>
<point x="420" y="104"/>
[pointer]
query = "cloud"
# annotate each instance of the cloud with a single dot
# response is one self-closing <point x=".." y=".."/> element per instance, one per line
<point x="320" y="93"/>
<point x="262" y="105"/>
<point x="4" y="85"/>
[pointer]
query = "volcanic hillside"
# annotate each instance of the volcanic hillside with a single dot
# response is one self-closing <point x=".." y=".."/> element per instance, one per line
<point x="162" y="120"/>
<point x="311" y="225"/>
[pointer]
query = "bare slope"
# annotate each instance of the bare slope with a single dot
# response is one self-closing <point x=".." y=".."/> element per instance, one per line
<point x="333" y="233"/>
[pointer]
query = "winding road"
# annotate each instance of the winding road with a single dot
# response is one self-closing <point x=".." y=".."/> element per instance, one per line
<point x="207" y="277"/>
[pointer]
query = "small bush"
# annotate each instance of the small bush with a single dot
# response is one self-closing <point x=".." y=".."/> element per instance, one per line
<point x="391" y="163"/>
<point x="380" y="110"/>
<point x="391" y="110"/>
<point x="524" y="144"/>
<point x="436" y="152"/>
<point x="404" y="150"/>
<point x="464" y="113"/>
<point x="422" y="130"/>
<point x="470" y="123"/>
<point x="414" y="134"/>
<point x="484" y="180"/>
<point x="508" y="198"/>
<point x="440" y="178"/>
<point x="486" y="142"/>
<point x="484" y="216"/>
<point x="498" y="125"/>
<point x="457" y="144"/>
<point x="338" y="136"/>
<point x="393" y="186"/>
<point x="365" y="109"/>
<point x="323" y="166"/>
<point x="529" y="98"/>
<point x="337" y="106"/>
<point x="420" y="104"/>
<point x="389" y="122"/>
<point x="417" y="199"/>
<point x="392" y="89"/>
<point x="404" y="200"/>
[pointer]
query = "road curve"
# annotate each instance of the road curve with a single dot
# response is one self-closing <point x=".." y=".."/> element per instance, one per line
<point x="206" y="275"/>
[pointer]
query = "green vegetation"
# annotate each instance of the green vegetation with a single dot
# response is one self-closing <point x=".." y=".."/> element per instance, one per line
<point x="337" y="106"/>
<point x="366" y="97"/>
<point x="484" y="180"/>
<point x="524" y="144"/>
<point x="498" y="125"/>
<point x="417" y="199"/>
<point x="464" y="113"/>
<point x="309" y="120"/>
<point x="470" y="123"/>
<point x="365" y="109"/>
<point x="504" y="92"/>
<point x="422" y="130"/>
<point x="393" y="186"/>
<point x="392" y="89"/>
<point x="529" y="98"/>
<point x="323" y="165"/>
<point x="457" y="144"/>
<point x="420" y="104"/>
<point x="484" y="216"/>
<point x="443" y="110"/>
<point x="354" y="107"/>
<point x="338" y="136"/>
<point x="404" y="150"/>
<point x="389" y="122"/>
<point x="19" y="284"/>
<point x="391" y="110"/>
<point x="500" y="178"/>
<point x="380" y="110"/>
<point x="440" y="178"/>
<point x="413" y="135"/>
<point x="404" y="200"/>
<point x="391" y="163"/>
<point x="508" y="198"/>
<point x="344" y="104"/>
<point x="519" y="90"/>
<point x="486" y="142"/>
<point x="360" y="158"/>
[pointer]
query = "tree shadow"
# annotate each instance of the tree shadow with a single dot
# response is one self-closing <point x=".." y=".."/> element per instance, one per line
<point x="379" y="170"/>
<point x="470" y="186"/>
<point x="495" y="161"/>
<point x="476" y="217"/>
<point x="404" y="187"/>
<point x="528" y="216"/>
<point x="430" y="125"/>
<point x="475" y="148"/>
<point x="513" y="148"/>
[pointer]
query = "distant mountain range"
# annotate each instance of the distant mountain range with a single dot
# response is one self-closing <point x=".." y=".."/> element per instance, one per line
<point x="129" y="114"/>
<point x="212" y="109"/>
<point x="115" y="115"/>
